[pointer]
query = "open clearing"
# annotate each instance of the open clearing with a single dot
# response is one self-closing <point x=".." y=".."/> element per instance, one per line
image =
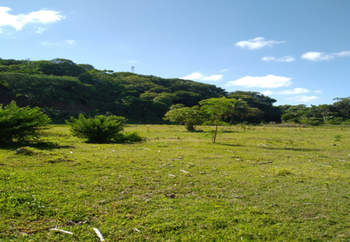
<point x="269" y="183"/>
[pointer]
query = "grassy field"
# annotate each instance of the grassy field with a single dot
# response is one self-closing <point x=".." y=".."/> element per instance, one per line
<point x="269" y="183"/>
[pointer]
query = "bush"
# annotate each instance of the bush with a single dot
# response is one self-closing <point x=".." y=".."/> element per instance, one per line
<point x="129" y="137"/>
<point x="347" y="122"/>
<point x="21" y="124"/>
<point x="99" y="129"/>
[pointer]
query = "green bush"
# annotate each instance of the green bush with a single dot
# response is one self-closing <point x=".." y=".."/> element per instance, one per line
<point x="346" y="122"/>
<point x="129" y="137"/>
<point x="21" y="124"/>
<point x="99" y="129"/>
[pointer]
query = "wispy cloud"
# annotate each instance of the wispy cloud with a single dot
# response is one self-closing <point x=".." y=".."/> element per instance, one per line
<point x="200" y="76"/>
<point x="343" y="54"/>
<point x="193" y="76"/>
<point x="70" y="42"/>
<point x="266" y="93"/>
<point x="304" y="99"/>
<point x="40" y="30"/>
<point x="49" y="43"/>
<point x="132" y="61"/>
<point x="293" y="91"/>
<point x="20" y="20"/>
<point x="321" y="56"/>
<point x="59" y="43"/>
<point x="257" y="43"/>
<point x="317" y="56"/>
<point x="269" y="81"/>
<point x="225" y="70"/>
<point x="286" y="58"/>
<point x="212" y="78"/>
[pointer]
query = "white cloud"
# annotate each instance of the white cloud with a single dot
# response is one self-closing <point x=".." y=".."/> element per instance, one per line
<point x="304" y="99"/>
<point x="343" y="54"/>
<point x="48" y="43"/>
<point x="294" y="91"/>
<point x="320" y="56"/>
<point x="268" y="58"/>
<point x="257" y="43"/>
<point x="40" y="30"/>
<point x="200" y="76"/>
<point x="266" y="93"/>
<point x="59" y="43"/>
<point x="318" y="91"/>
<point x="132" y="61"/>
<point x="212" y="78"/>
<point x="20" y="20"/>
<point x="269" y="81"/>
<point x="70" y="42"/>
<point x="193" y="76"/>
<point x="286" y="58"/>
<point x="225" y="70"/>
<point x="317" y="56"/>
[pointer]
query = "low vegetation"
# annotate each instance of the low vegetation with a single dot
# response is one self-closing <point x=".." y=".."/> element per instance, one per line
<point x="98" y="129"/>
<point x="256" y="183"/>
<point x="20" y="124"/>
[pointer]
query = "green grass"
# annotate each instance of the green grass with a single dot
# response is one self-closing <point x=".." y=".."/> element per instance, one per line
<point x="269" y="183"/>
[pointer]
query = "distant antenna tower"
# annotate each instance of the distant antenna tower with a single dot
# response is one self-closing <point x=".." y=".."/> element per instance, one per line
<point x="132" y="69"/>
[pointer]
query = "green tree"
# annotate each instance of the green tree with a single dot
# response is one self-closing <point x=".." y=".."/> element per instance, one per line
<point x="343" y="107"/>
<point x="164" y="97"/>
<point x="264" y="103"/>
<point x="190" y="116"/>
<point x="240" y="110"/>
<point x="217" y="109"/>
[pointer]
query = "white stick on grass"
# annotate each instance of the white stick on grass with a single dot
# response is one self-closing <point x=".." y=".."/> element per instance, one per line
<point x="62" y="231"/>
<point x="99" y="234"/>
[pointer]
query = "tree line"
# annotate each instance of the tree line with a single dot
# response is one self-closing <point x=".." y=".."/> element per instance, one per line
<point x="63" y="88"/>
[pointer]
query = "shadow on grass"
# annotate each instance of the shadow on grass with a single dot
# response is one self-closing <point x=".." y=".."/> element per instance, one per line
<point x="235" y="145"/>
<point x="41" y="145"/>
<point x="285" y="148"/>
<point x="228" y="131"/>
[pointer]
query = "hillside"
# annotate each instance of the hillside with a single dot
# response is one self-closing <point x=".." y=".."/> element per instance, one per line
<point x="62" y="88"/>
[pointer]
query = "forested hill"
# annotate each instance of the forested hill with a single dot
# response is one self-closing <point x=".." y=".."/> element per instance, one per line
<point x="62" y="87"/>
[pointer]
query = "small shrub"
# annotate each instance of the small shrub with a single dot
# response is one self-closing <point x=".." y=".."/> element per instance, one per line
<point x="21" y="124"/>
<point x="99" y="129"/>
<point x="347" y="122"/>
<point x="284" y="172"/>
<point x="129" y="137"/>
<point x="337" y="137"/>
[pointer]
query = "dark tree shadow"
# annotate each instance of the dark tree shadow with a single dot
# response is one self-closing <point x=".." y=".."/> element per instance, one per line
<point x="235" y="145"/>
<point x="41" y="145"/>
<point x="293" y="149"/>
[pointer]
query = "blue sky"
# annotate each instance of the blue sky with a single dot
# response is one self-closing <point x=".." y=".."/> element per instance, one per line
<point x="297" y="52"/>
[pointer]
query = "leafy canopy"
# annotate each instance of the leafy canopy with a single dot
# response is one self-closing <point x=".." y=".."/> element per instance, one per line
<point x="21" y="124"/>
<point x="190" y="116"/>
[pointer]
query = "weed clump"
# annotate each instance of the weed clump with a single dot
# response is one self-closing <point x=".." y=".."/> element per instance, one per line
<point x="284" y="172"/>
<point x="101" y="129"/>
